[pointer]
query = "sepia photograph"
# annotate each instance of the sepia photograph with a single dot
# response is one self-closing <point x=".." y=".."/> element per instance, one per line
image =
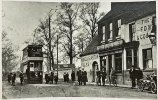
<point x="101" y="49"/>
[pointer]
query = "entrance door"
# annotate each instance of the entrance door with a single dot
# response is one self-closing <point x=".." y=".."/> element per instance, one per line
<point x="110" y="62"/>
<point x="94" y="67"/>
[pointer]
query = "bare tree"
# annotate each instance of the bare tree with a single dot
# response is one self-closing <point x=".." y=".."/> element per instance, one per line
<point x="67" y="22"/>
<point x="45" y="34"/>
<point x="90" y="16"/>
<point x="9" y="58"/>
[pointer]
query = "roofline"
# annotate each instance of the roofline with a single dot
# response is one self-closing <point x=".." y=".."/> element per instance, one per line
<point x="32" y="45"/>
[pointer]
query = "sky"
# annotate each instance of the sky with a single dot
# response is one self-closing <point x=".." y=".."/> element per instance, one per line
<point x="20" y="18"/>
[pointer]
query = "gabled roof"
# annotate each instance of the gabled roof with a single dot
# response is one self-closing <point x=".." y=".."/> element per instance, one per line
<point x="92" y="47"/>
<point x="130" y="11"/>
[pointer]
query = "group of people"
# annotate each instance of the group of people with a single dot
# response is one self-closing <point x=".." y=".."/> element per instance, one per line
<point x="50" y="78"/>
<point x="12" y="78"/>
<point x="135" y="74"/>
<point x="66" y="76"/>
<point x="82" y="77"/>
<point x="101" y="75"/>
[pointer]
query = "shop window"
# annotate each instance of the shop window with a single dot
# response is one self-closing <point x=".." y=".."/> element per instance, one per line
<point x="147" y="58"/>
<point x="132" y="31"/>
<point x="129" y="58"/>
<point x="118" y="62"/>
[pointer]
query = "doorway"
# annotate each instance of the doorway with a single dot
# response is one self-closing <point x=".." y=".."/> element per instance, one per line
<point x="94" y="68"/>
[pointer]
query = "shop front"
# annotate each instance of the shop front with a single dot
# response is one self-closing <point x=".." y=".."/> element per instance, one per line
<point x="111" y="57"/>
<point x="119" y="56"/>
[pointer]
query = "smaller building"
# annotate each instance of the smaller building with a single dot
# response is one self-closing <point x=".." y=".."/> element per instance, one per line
<point x="64" y="68"/>
<point x="90" y="59"/>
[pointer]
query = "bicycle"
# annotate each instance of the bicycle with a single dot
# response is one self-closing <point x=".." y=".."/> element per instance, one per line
<point x="113" y="80"/>
<point x="148" y="84"/>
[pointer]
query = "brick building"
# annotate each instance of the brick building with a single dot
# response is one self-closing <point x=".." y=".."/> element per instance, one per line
<point x="123" y="40"/>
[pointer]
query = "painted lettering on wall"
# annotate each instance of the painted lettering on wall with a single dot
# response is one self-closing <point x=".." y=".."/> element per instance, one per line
<point x="143" y="29"/>
<point x="86" y="61"/>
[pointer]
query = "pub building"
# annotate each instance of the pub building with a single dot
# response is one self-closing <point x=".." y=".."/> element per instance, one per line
<point x="123" y="39"/>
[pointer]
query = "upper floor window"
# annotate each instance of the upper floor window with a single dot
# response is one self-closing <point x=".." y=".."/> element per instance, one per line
<point x="132" y="31"/>
<point x="119" y="26"/>
<point x="103" y="30"/>
<point x="111" y="31"/>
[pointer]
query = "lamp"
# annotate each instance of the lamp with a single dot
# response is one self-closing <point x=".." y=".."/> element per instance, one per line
<point x="152" y="37"/>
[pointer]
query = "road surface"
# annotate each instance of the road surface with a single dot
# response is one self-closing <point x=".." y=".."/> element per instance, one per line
<point x="71" y="90"/>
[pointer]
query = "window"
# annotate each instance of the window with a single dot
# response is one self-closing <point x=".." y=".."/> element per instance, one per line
<point x="119" y="27"/>
<point x="103" y="30"/>
<point x="135" y="57"/>
<point x="118" y="62"/>
<point x="147" y="58"/>
<point x="132" y="30"/>
<point x="129" y="58"/>
<point x="111" y="33"/>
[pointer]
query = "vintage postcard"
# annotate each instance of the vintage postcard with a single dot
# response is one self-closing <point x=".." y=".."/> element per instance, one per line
<point x="98" y="49"/>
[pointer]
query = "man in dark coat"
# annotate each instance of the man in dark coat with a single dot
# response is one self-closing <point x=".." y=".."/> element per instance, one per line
<point x="79" y="74"/>
<point x="103" y="76"/>
<point x="13" y="79"/>
<point x="133" y="74"/>
<point x="84" y="77"/>
<point x="21" y="78"/>
<point x="52" y="76"/>
<point x="9" y="77"/>
<point x="47" y="78"/>
<point x="73" y="76"/>
<point x="139" y="75"/>
<point x="64" y="76"/>
<point x="67" y="77"/>
<point x="56" y="79"/>
<point x="98" y="77"/>
<point x="28" y="74"/>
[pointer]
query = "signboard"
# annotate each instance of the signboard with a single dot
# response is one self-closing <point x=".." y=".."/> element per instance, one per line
<point x="110" y="45"/>
<point x="143" y="29"/>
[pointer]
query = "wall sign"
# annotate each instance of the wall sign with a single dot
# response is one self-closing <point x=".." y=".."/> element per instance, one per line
<point x="143" y="29"/>
<point x="110" y="45"/>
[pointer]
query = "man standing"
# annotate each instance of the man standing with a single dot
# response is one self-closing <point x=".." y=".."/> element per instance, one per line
<point x="64" y="76"/>
<point x="67" y="77"/>
<point x="9" y="77"/>
<point x="103" y="76"/>
<point x="52" y="76"/>
<point x="139" y="75"/>
<point x="98" y="77"/>
<point x="79" y="74"/>
<point x="73" y="76"/>
<point x="28" y="74"/>
<point x="47" y="78"/>
<point x="84" y="77"/>
<point x="133" y="74"/>
<point x="21" y="78"/>
<point x="13" y="79"/>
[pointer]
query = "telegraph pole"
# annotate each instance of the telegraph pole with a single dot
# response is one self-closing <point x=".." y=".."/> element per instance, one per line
<point x="57" y="55"/>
